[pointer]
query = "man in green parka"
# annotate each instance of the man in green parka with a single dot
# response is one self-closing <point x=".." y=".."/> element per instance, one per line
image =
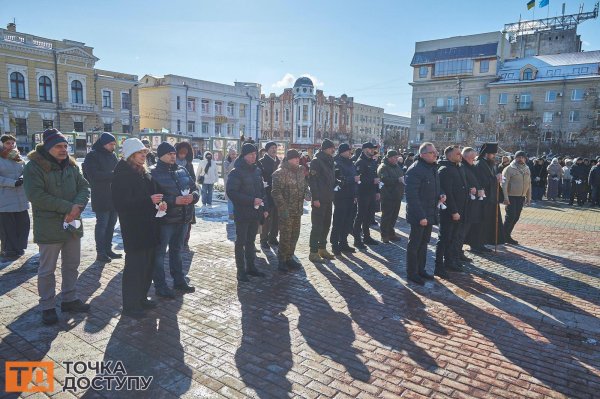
<point x="392" y="190"/>
<point x="58" y="193"/>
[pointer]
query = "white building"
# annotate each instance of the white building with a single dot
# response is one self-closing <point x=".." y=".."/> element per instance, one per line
<point x="199" y="108"/>
<point x="396" y="131"/>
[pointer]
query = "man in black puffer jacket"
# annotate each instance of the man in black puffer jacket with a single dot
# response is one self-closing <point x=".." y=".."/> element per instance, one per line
<point x="98" y="169"/>
<point x="368" y="194"/>
<point x="423" y="195"/>
<point x="344" y="200"/>
<point x="246" y="190"/>
<point x="180" y="193"/>
<point x="454" y="184"/>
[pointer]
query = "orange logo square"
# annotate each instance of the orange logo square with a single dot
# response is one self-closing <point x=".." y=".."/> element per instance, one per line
<point x="29" y="376"/>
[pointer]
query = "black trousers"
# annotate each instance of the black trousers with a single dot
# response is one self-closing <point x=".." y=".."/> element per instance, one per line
<point x="390" y="208"/>
<point x="14" y="231"/>
<point x="447" y="239"/>
<point x="513" y="213"/>
<point x="137" y="277"/>
<point x="579" y="191"/>
<point x="270" y="227"/>
<point x="461" y="236"/>
<point x="321" y="222"/>
<point x="364" y="217"/>
<point x="416" y="249"/>
<point x="245" y="235"/>
<point x="343" y="217"/>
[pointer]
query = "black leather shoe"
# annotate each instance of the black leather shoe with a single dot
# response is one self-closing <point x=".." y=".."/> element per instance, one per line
<point x="74" y="306"/>
<point x="166" y="293"/>
<point x="49" y="317"/>
<point x="441" y="273"/>
<point x="185" y="288"/>
<point x="293" y="264"/>
<point x="103" y="258"/>
<point x="416" y="279"/>
<point x="114" y="255"/>
<point x="426" y="276"/>
<point x="242" y="277"/>
<point x="370" y="241"/>
<point x="347" y="249"/>
<point x="148" y="304"/>
<point x="255" y="273"/>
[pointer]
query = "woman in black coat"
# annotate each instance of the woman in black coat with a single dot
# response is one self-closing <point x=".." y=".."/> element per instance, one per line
<point x="135" y="197"/>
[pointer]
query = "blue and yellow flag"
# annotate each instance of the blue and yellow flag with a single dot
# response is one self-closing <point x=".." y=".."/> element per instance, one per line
<point x="544" y="3"/>
<point x="530" y="4"/>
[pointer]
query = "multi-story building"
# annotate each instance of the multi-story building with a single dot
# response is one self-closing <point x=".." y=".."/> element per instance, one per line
<point x="367" y="124"/>
<point x="303" y="116"/>
<point x="396" y="130"/>
<point x="53" y="83"/>
<point x="198" y="108"/>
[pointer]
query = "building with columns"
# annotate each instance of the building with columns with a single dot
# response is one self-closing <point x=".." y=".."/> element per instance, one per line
<point x="304" y="116"/>
<point x="396" y="130"/>
<point x="199" y="108"/>
<point x="53" y="83"/>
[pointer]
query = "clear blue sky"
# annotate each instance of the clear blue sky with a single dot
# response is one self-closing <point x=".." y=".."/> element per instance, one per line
<point x="361" y="48"/>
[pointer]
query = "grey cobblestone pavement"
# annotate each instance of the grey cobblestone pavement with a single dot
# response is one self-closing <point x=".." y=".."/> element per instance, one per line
<point x="521" y="323"/>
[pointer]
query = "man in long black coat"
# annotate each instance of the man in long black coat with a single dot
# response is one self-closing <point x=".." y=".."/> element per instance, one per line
<point x="269" y="164"/>
<point x="474" y="208"/>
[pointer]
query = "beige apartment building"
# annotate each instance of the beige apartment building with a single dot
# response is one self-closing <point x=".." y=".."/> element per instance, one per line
<point x="367" y="124"/>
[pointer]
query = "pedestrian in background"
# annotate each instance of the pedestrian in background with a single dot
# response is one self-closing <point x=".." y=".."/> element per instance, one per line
<point x="555" y="174"/>
<point x="208" y="175"/>
<point x="228" y="165"/>
<point x="14" y="215"/>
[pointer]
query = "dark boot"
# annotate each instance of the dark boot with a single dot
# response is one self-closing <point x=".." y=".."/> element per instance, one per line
<point x="293" y="264"/>
<point x="282" y="265"/>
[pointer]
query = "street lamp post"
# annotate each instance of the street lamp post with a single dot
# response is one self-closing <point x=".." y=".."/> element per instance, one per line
<point x="459" y="85"/>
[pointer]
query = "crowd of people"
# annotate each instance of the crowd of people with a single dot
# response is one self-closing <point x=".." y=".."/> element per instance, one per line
<point x="153" y="196"/>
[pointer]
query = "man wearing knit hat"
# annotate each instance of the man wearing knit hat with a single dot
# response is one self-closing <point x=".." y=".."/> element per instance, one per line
<point x="98" y="169"/>
<point x="58" y="193"/>
<point x="321" y="179"/>
<point x="269" y="164"/>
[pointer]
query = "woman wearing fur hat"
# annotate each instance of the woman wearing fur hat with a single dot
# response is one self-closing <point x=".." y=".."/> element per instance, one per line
<point x="14" y="217"/>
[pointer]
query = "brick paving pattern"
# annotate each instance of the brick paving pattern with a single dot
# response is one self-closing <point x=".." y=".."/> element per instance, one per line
<point x="522" y="323"/>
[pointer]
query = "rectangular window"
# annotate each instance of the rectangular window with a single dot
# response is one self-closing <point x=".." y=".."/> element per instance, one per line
<point x="335" y="118"/>
<point x="191" y="127"/>
<point x="178" y="103"/>
<point x="421" y="120"/>
<point x="47" y="124"/>
<point x="483" y="99"/>
<point x="503" y="98"/>
<point x="204" y="127"/>
<point x="577" y="95"/>
<point x="276" y="115"/>
<point x="125" y="101"/>
<point x="178" y="125"/>
<point x="548" y="116"/>
<point x="217" y="129"/>
<point x="205" y="107"/>
<point x="108" y="127"/>
<point x="574" y="116"/>
<point x="305" y="113"/>
<point x="242" y="130"/>
<point x="126" y="128"/>
<point x="78" y="126"/>
<point x="287" y="115"/>
<point x="576" y="71"/>
<point x="230" y="107"/>
<point x="484" y="66"/>
<point x="549" y="73"/>
<point x="440" y="120"/>
<point x="525" y="98"/>
<point x="106" y="99"/>
<point x="459" y="66"/>
<point x="423" y="71"/>
<point x="218" y="108"/>
<point x="421" y="103"/>
<point x="305" y="130"/>
<point x="242" y="110"/>
<point x="230" y="129"/>
<point x="551" y="96"/>
<point x="439" y="102"/>
<point x="21" y="126"/>
<point x="191" y="104"/>
<point x="481" y="118"/>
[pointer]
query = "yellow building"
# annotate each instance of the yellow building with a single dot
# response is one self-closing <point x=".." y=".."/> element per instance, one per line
<point x="53" y="83"/>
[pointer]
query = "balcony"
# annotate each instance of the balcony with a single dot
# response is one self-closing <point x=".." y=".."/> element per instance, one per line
<point x="528" y="106"/>
<point x="79" y="107"/>
<point x="447" y="109"/>
<point x="436" y="127"/>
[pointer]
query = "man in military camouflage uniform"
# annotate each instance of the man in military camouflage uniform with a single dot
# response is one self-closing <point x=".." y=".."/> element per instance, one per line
<point x="288" y="191"/>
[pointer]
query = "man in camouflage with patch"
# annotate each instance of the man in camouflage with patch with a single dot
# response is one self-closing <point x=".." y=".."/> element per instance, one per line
<point x="288" y="192"/>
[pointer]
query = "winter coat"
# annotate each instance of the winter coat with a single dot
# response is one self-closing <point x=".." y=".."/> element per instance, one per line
<point x="53" y="189"/>
<point x="517" y="181"/>
<point x="131" y="193"/>
<point x="98" y="169"/>
<point x="171" y="180"/>
<point x="423" y="192"/>
<point x="473" y="212"/>
<point x="268" y="166"/>
<point x="566" y="172"/>
<point x="594" y="177"/>
<point x="393" y="188"/>
<point x="539" y="175"/>
<point x="367" y="169"/>
<point x="454" y="184"/>
<point x="244" y="184"/>
<point x="12" y="199"/>
<point x="189" y="158"/>
<point x="578" y="172"/>
<point x="212" y="176"/>
<point x="321" y="177"/>
<point x="486" y="174"/>
<point x="345" y="171"/>
<point x="289" y="190"/>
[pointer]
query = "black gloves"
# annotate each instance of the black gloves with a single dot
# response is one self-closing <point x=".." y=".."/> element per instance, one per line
<point x="19" y="182"/>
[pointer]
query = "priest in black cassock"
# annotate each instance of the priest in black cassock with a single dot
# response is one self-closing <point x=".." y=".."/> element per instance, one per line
<point x="490" y="179"/>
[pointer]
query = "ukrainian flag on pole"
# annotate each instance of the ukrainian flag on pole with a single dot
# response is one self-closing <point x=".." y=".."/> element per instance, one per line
<point x="531" y="4"/>
<point x="544" y="3"/>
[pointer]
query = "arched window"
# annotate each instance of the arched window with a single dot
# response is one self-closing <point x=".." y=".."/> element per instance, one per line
<point x="17" y="85"/>
<point x="76" y="92"/>
<point x="528" y="74"/>
<point x="45" y="88"/>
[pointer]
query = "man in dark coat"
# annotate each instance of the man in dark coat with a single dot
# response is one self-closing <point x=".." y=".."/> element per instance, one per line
<point x="474" y="209"/>
<point x="181" y="194"/>
<point x="579" y="177"/>
<point x="269" y="164"/>
<point x="454" y="184"/>
<point x="246" y="190"/>
<point x="321" y="179"/>
<point x="539" y="179"/>
<point x="594" y="182"/>
<point x="490" y="229"/>
<point x="392" y="180"/>
<point x="423" y="196"/>
<point x="368" y="194"/>
<point x="345" y="195"/>
<point x="98" y="169"/>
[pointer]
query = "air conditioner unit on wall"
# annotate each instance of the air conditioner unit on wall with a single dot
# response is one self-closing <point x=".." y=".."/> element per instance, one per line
<point x="559" y="94"/>
<point x="558" y="113"/>
<point x="517" y="98"/>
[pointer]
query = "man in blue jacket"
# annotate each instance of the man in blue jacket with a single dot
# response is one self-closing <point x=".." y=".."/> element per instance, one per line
<point x="423" y="197"/>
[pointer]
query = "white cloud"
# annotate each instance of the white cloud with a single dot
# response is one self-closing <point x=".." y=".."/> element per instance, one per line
<point x="288" y="81"/>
